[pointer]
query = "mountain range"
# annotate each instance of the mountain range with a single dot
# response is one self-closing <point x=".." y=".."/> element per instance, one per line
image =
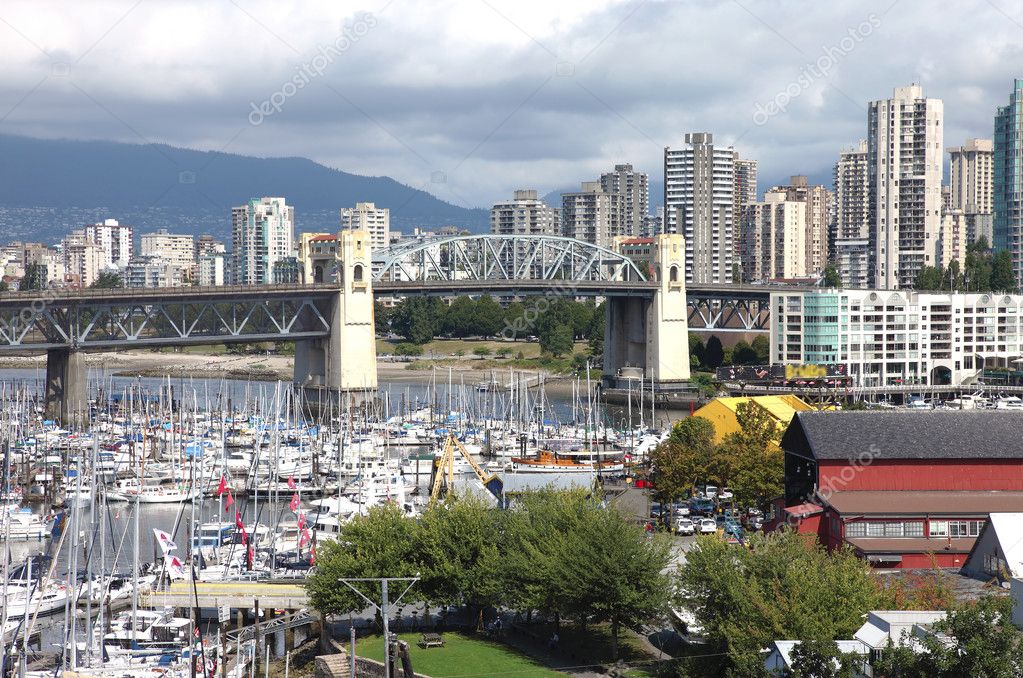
<point x="116" y="179"/>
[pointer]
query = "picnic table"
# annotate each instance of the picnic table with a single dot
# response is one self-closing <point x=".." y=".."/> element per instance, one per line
<point x="431" y="640"/>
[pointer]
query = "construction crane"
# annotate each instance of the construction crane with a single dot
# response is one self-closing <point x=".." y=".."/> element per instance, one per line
<point x="444" y="472"/>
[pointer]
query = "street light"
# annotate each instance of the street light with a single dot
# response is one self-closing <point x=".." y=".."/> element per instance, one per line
<point x="383" y="608"/>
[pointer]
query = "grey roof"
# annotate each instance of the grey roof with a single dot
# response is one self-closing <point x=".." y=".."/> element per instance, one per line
<point x="935" y="434"/>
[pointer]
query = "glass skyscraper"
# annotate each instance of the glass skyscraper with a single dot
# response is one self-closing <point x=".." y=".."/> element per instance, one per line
<point x="1008" y="178"/>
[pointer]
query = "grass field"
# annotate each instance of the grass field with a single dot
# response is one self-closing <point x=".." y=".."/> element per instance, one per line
<point x="461" y="656"/>
<point x="447" y="347"/>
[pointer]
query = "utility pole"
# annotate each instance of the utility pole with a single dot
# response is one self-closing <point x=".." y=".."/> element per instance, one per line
<point x="384" y="608"/>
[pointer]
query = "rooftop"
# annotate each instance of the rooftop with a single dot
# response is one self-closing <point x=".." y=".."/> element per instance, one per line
<point x="929" y="502"/>
<point x="934" y="434"/>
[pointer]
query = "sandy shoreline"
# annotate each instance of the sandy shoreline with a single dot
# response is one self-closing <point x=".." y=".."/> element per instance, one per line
<point x="269" y="368"/>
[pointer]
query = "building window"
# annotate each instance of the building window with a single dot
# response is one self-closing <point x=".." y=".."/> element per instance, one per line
<point x="938" y="528"/>
<point x="357" y="273"/>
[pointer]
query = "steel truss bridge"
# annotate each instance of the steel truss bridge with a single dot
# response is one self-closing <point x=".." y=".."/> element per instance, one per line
<point x="514" y="266"/>
<point x="122" y="318"/>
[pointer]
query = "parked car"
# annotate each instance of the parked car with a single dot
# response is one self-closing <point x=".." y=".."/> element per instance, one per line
<point x="725" y="494"/>
<point x="681" y="508"/>
<point x="701" y="506"/>
<point x="708" y="526"/>
<point x="710" y="491"/>
<point x="756" y="523"/>
<point x="685" y="526"/>
<point x="655" y="510"/>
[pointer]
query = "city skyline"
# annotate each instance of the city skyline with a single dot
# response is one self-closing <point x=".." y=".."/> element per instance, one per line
<point x="530" y="97"/>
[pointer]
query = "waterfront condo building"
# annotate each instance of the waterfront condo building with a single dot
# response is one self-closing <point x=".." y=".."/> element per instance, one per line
<point x="366" y="216"/>
<point x="886" y="337"/>
<point x="904" y="161"/>
<point x="699" y="204"/>
<point x="173" y="248"/>
<point x="1007" y="201"/>
<point x="525" y="214"/>
<point x="262" y="236"/>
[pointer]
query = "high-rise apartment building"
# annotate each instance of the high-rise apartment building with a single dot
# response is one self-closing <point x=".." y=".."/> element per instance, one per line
<point x="972" y="176"/>
<point x="593" y="214"/>
<point x="904" y="160"/>
<point x="634" y="189"/>
<point x="366" y="216"/>
<point x="1008" y="179"/>
<point x="952" y="239"/>
<point x="850" y="232"/>
<point x="699" y="204"/>
<point x="83" y="260"/>
<point x="816" y="201"/>
<point x="773" y="237"/>
<point x="115" y="239"/>
<point x="262" y="235"/>
<point x="172" y="248"/>
<point x="744" y="191"/>
<point x="210" y="261"/>
<point x="526" y="214"/>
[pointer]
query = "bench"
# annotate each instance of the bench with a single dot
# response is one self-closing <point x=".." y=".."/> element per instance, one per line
<point x="431" y="640"/>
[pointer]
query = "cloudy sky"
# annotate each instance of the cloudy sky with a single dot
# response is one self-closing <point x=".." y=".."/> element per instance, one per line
<point x="471" y="99"/>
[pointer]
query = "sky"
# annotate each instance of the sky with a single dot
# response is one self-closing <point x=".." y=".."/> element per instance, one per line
<point x="472" y="99"/>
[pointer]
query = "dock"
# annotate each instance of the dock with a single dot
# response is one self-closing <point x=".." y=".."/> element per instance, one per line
<point x="274" y="595"/>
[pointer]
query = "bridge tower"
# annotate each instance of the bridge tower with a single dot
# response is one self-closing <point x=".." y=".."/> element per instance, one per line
<point x="649" y="337"/>
<point x="345" y="362"/>
<point x="66" y="397"/>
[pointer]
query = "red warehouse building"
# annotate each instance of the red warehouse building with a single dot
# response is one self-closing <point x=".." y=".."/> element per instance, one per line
<point x="905" y="489"/>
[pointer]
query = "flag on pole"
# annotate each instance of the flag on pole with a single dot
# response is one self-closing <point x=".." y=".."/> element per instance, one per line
<point x="238" y="520"/>
<point x="175" y="568"/>
<point x="291" y="482"/>
<point x="303" y="538"/>
<point x="312" y="554"/>
<point x="294" y="502"/>
<point x="230" y="501"/>
<point x="164" y="538"/>
<point x="301" y="519"/>
<point x="222" y="487"/>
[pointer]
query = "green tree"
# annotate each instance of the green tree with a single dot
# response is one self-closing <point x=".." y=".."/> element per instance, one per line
<point x="714" y="353"/>
<point x="684" y="459"/>
<point x="782" y="586"/>
<point x="831" y="276"/>
<point x="107" y="280"/>
<point x="696" y="350"/>
<point x="384" y="543"/>
<point x="489" y="320"/>
<point x="929" y="278"/>
<point x="481" y="351"/>
<point x="616" y="572"/>
<point x="761" y="346"/>
<point x="595" y="335"/>
<point x="4" y="286"/>
<point x="556" y="340"/>
<point x="381" y="318"/>
<point x="755" y="464"/>
<point x="35" y="278"/>
<point x="458" y="553"/>
<point x="743" y="353"/>
<point x="418" y="319"/>
<point x="408" y="349"/>
<point x="1002" y="277"/>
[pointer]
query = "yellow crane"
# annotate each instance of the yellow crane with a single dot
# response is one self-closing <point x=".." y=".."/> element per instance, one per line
<point x="444" y="471"/>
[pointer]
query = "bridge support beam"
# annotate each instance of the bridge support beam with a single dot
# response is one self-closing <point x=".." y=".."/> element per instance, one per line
<point x="649" y="338"/>
<point x="66" y="398"/>
<point x="344" y="364"/>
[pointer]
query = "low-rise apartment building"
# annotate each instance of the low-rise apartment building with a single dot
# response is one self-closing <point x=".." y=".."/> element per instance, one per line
<point x="887" y="337"/>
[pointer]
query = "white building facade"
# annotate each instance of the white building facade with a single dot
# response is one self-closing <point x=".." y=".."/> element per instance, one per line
<point x="525" y="214"/>
<point x="366" y="216"/>
<point x="887" y="337"/>
<point x="262" y="235"/>
<point x="699" y="204"/>
<point x="115" y="239"/>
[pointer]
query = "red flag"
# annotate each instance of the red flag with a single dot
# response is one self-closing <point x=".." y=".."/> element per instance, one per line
<point x="229" y="502"/>
<point x="291" y="482"/>
<point x="238" y="521"/>
<point x="303" y="538"/>
<point x="294" y="502"/>
<point x="222" y="487"/>
<point x="312" y="555"/>
<point x="301" y="519"/>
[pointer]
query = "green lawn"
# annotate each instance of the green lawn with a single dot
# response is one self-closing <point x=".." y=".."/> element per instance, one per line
<point x="460" y="656"/>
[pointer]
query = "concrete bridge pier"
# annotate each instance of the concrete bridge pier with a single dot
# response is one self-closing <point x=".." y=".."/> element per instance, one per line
<point x="66" y="396"/>
<point x="343" y="366"/>
<point x="649" y="338"/>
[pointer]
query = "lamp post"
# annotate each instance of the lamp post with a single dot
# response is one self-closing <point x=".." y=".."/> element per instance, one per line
<point x="384" y="608"/>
